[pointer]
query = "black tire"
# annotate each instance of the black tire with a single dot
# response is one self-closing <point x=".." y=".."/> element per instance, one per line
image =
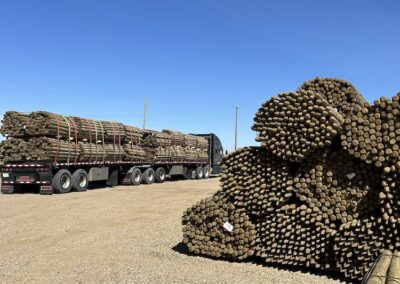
<point x="136" y="177"/>
<point x="80" y="180"/>
<point x="149" y="176"/>
<point x="199" y="173"/>
<point x="206" y="172"/>
<point x="62" y="181"/>
<point x="161" y="175"/>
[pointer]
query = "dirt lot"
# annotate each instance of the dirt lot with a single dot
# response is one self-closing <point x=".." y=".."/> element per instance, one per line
<point x="123" y="234"/>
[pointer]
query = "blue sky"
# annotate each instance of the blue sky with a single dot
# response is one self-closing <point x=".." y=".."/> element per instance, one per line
<point x="194" y="60"/>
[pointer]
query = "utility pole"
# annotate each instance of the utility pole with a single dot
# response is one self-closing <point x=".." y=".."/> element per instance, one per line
<point x="145" y="113"/>
<point x="236" y="126"/>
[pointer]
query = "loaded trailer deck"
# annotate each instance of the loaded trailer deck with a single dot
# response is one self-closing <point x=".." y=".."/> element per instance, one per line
<point x="64" y="177"/>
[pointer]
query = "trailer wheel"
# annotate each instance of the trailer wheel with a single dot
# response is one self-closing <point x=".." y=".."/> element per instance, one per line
<point x="80" y="180"/>
<point x="161" y="175"/>
<point x="136" y="177"/>
<point x="199" y="172"/>
<point x="62" y="181"/>
<point x="206" y="172"/>
<point x="149" y="176"/>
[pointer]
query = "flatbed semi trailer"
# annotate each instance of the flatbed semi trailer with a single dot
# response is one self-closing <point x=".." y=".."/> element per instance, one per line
<point x="64" y="177"/>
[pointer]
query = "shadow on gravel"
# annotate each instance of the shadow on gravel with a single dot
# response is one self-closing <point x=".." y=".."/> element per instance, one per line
<point x="333" y="275"/>
<point x="98" y="185"/>
<point x="34" y="189"/>
<point x="181" y="178"/>
<point x="26" y="189"/>
<point x="182" y="249"/>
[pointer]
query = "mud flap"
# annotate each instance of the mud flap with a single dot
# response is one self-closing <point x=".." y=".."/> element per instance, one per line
<point x="7" y="189"/>
<point x="46" y="189"/>
<point x="113" y="178"/>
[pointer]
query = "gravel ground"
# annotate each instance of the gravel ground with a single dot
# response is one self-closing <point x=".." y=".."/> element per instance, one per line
<point x="116" y="235"/>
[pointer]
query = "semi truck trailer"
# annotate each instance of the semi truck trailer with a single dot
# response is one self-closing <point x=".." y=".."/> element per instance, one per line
<point x="53" y="177"/>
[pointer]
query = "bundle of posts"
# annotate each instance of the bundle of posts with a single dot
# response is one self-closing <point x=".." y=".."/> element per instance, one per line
<point x="294" y="235"/>
<point x="385" y="270"/>
<point x="135" y="153"/>
<point x="295" y="124"/>
<point x="340" y="94"/>
<point x="172" y="152"/>
<point x="49" y="149"/>
<point x="133" y="144"/>
<point x="175" y="145"/>
<point x="176" y="138"/>
<point x="373" y="134"/>
<point x="14" y="124"/>
<point x="94" y="130"/>
<point x="13" y="149"/>
<point x="357" y="244"/>
<point x="341" y="187"/>
<point x="321" y="191"/>
<point x="91" y="152"/>
<point x="62" y="151"/>
<point x="47" y="124"/>
<point x="207" y="229"/>
<point x="44" y="136"/>
<point x="154" y="139"/>
<point x="253" y="179"/>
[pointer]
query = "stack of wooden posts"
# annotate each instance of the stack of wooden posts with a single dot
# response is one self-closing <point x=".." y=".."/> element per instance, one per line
<point x="43" y="123"/>
<point x="13" y="149"/>
<point x="338" y="185"/>
<point x="14" y="124"/>
<point x="357" y="244"/>
<point x="177" y="138"/>
<point x="176" y="146"/>
<point x="295" y="124"/>
<point x="294" y="235"/>
<point x="340" y="94"/>
<point x="90" y="130"/>
<point x="208" y="229"/>
<point x="253" y="179"/>
<point x="321" y="191"/>
<point x="133" y="144"/>
<point x="50" y="149"/>
<point x="44" y="136"/>
<point x="373" y="134"/>
<point x="172" y="152"/>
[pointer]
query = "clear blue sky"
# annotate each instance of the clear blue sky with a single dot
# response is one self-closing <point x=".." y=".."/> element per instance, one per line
<point x="195" y="60"/>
